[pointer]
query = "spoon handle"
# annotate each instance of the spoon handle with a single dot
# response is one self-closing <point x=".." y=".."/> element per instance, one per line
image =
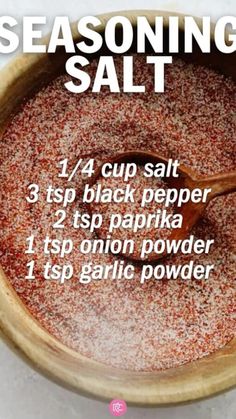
<point x="221" y="184"/>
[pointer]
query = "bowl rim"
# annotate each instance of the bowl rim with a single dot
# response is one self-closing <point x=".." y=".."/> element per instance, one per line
<point x="199" y="379"/>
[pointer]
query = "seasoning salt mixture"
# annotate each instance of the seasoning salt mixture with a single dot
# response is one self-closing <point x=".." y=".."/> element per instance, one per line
<point x="152" y="230"/>
<point x="160" y="324"/>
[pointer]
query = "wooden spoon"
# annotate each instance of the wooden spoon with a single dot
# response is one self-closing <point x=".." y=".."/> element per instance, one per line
<point x="220" y="184"/>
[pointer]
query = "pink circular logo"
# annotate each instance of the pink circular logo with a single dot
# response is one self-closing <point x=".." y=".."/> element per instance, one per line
<point x="117" y="407"/>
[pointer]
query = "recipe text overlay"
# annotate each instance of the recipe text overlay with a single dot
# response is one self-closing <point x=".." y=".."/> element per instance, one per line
<point x="129" y="211"/>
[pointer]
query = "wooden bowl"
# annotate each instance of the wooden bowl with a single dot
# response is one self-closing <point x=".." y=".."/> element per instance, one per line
<point x="202" y="378"/>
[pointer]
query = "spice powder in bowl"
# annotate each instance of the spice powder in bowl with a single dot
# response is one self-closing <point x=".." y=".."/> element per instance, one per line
<point x="128" y="230"/>
<point x="159" y="324"/>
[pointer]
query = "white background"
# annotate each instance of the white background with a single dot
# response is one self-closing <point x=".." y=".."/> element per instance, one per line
<point x="24" y="394"/>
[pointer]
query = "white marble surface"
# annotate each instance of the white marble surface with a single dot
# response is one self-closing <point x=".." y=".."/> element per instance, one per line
<point x="24" y="394"/>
